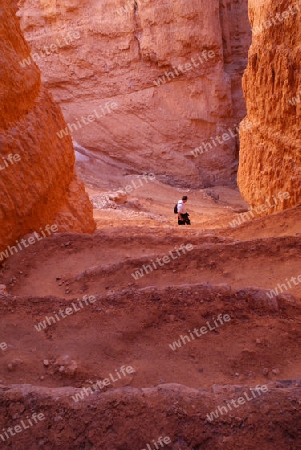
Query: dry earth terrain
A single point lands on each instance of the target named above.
(143, 331)
(136, 322)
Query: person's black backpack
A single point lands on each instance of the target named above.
(175, 210)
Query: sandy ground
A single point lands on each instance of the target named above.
(134, 321)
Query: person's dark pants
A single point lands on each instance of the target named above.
(185, 219)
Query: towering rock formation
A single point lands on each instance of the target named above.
(172, 70)
(270, 155)
(38, 184)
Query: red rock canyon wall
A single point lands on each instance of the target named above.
(38, 183)
(138, 83)
(270, 155)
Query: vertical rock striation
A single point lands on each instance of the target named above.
(270, 155)
(151, 59)
(38, 183)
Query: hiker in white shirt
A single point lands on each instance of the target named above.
(182, 212)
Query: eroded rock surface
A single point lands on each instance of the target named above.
(129, 418)
(130, 54)
(38, 183)
(270, 155)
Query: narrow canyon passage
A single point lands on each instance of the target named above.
(120, 329)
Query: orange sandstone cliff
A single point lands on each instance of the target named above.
(38, 184)
(270, 154)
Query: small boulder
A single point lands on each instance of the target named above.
(3, 290)
(119, 197)
(71, 368)
(66, 365)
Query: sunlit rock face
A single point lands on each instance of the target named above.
(38, 183)
(270, 155)
(147, 83)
